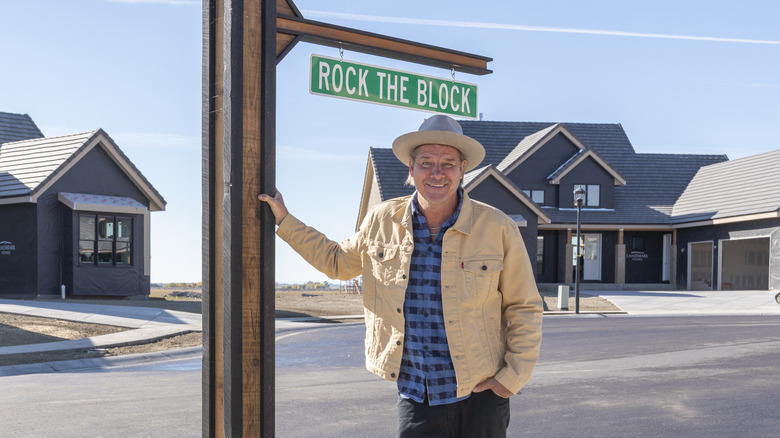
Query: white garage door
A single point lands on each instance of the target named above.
(745, 264)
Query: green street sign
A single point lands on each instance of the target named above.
(367, 83)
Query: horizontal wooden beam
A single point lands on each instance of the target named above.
(374, 44)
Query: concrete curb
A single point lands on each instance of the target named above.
(100, 362)
(120, 339)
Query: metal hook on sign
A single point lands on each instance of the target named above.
(453, 74)
(341, 53)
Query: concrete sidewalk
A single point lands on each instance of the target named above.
(672, 302)
(148, 323)
(145, 323)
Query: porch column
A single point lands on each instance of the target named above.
(673, 260)
(569, 275)
(620, 259)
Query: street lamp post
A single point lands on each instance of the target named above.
(579, 198)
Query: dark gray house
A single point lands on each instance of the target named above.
(74, 212)
(668, 220)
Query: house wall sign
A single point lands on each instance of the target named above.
(379, 85)
(6, 248)
(637, 256)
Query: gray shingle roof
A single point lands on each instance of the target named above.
(733, 188)
(28, 164)
(524, 146)
(390, 174)
(474, 174)
(653, 184)
(15, 127)
(653, 181)
(500, 138)
(25, 164)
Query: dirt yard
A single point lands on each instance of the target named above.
(21, 330)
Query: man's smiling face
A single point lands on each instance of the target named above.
(437, 171)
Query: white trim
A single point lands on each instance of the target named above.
(615, 227)
(75, 158)
(519, 220)
(666, 258)
(583, 208)
(559, 128)
(502, 179)
(155, 203)
(598, 257)
(101, 208)
(18, 200)
(728, 220)
(101, 139)
(720, 266)
(147, 243)
(619, 181)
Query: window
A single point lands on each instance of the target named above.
(87, 239)
(535, 195)
(637, 243)
(574, 249)
(592, 194)
(105, 240)
(539, 255)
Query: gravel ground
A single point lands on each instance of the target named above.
(20, 330)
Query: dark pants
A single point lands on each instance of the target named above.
(483, 415)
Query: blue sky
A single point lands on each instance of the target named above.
(684, 76)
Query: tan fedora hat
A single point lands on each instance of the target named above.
(440, 129)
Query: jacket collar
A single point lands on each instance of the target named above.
(465, 219)
(403, 215)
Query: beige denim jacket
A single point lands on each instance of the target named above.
(492, 309)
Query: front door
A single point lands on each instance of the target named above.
(700, 266)
(592, 257)
(666, 270)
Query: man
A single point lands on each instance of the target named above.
(451, 307)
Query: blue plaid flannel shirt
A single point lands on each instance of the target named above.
(426, 365)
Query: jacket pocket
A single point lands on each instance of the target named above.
(384, 262)
(481, 274)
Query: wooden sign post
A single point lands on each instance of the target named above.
(243, 41)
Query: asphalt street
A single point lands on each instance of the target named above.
(713, 376)
(598, 376)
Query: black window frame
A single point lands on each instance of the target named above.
(530, 193)
(588, 191)
(539, 255)
(105, 237)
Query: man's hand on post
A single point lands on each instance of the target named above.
(277, 205)
(493, 385)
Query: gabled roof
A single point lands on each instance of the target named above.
(15, 127)
(501, 138)
(528, 146)
(653, 182)
(390, 174)
(743, 187)
(579, 157)
(26, 164)
(476, 176)
(29, 167)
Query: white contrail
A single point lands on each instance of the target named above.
(448, 23)
(161, 2)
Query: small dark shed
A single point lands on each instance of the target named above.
(74, 213)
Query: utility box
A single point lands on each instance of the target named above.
(563, 297)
